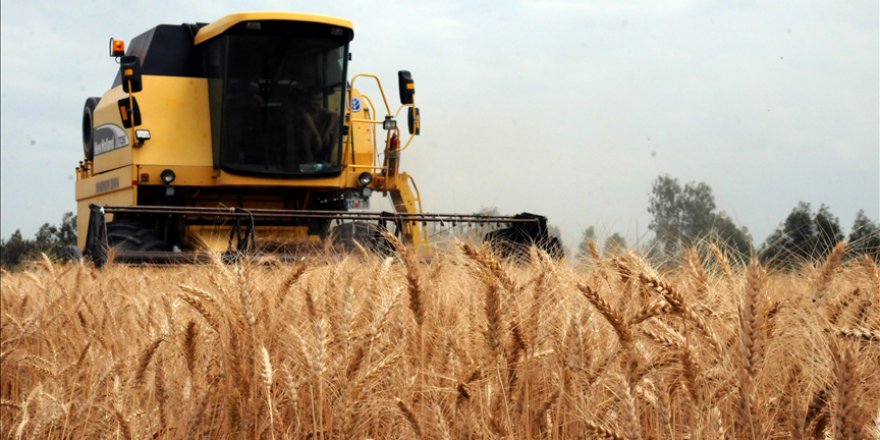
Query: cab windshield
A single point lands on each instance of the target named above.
(277, 106)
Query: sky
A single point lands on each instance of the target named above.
(563, 108)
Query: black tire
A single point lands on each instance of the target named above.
(554, 248)
(367, 235)
(515, 242)
(128, 235)
(88, 127)
(70, 253)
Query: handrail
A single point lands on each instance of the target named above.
(374, 158)
(421, 210)
(378, 82)
(411, 135)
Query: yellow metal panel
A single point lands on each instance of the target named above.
(184, 175)
(216, 237)
(111, 188)
(209, 176)
(112, 160)
(218, 27)
(176, 111)
(361, 133)
(326, 182)
(407, 200)
(104, 183)
(124, 197)
(107, 112)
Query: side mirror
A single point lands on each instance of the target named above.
(406, 86)
(414, 120)
(130, 67)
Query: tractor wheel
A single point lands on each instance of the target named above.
(70, 254)
(513, 243)
(367, 235)
(130, 235)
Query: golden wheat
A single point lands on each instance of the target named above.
(466, 345)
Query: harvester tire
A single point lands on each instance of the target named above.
(367, 235)
(129, 235)
(88, 127)
(514, 241)
(70, 254)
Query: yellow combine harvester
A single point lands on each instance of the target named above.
(245, 135)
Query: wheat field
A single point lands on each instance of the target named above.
(462, 346)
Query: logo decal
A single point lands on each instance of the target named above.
(107, 185)
(109, 137)
(355, 104)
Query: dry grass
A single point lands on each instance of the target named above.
(463, 346)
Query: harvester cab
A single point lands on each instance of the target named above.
(245, 136)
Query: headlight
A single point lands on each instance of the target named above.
(167, 176)
(142, 135)
(365, 178)
(389, 124)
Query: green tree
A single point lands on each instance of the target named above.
(828, 231)
(66, 234)
(49, 239)
(792, 240)
(697, 206)
(615, 244)
(15, 250)
(587, 236)
(864, 238)
(46, 238)
(665, 205)
(683, 215)
(737, 239)
(802, 236)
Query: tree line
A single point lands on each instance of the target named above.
(685, 215)
(49, 239)
(682, 217)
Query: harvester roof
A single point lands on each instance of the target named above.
(222, 25)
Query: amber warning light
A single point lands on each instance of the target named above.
(117, 47)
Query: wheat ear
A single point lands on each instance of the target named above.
(612, 316)
(603, 432)
(846, 412)
(828, 270)
(146, 357)
(410, 417)
(413, 279)
(489, 265)
(266, 374)
(721, 259)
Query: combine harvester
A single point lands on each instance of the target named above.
(244, 136)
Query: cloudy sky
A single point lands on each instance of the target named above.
(565, 108)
